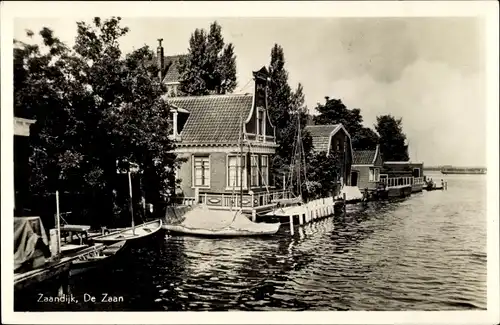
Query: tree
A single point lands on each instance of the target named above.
(365, 139)
(323, 171)
(93, 108)
(392, 138)
(279, 106)
(335, 112)
(286, 109)
(210, 66)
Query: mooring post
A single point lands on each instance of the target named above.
(301, 218)
(254, 215)
(344, 200)
(197, 195)
(291, 225)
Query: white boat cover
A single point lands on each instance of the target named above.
(204, 219)
(30, 240)
(351, 193)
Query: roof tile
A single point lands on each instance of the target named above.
(321, 135)
(213, 119)
(363, 157)
(171, 72)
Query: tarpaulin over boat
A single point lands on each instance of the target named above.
(202, 220)
(30, 241)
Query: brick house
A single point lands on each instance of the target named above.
(228, 142)
(335, 139)
(169, 70)
(366, 168)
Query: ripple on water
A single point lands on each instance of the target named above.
(423, 253)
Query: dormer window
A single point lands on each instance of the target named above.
(173, 120)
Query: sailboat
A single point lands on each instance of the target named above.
(202, 221)
(295, 205)
(134, 232)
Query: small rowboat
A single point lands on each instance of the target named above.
(101, 256)
(130, 234)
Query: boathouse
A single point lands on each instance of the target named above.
(402, 169)
(398, 173)
(366, 168)
(334, 139)
(228, 142)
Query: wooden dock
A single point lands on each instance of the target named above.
(308, 212)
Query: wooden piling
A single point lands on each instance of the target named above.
(291, 225)
(344, 200)
(254, 215)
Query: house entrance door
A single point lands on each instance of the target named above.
(354, 178)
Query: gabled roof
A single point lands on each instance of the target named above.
(321, 135)
(213, 119)
(365, 157)
(171, 72)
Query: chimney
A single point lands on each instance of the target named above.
(160, 59)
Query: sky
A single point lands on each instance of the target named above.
(428, 71)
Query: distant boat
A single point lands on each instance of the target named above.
(131, 233)
(463, 170)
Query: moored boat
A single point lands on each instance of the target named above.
(101, 256)
(131, 233)
(202, 221)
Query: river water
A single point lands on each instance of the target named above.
(427, 252)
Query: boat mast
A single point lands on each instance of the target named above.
(58, 226)
(241, 163)
(299, 137)
(130, 197)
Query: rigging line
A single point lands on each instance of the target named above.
(242, 88)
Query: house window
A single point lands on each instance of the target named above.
(254, 171)
(201, 171)
(374, 175)
(264, 161)
(235, 165)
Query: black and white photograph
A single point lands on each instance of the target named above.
(250, 157)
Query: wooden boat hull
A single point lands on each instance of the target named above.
(102, 257)
(50, 270)
(436, 188)
(145, 230)
(226, 232)
(416, 188)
